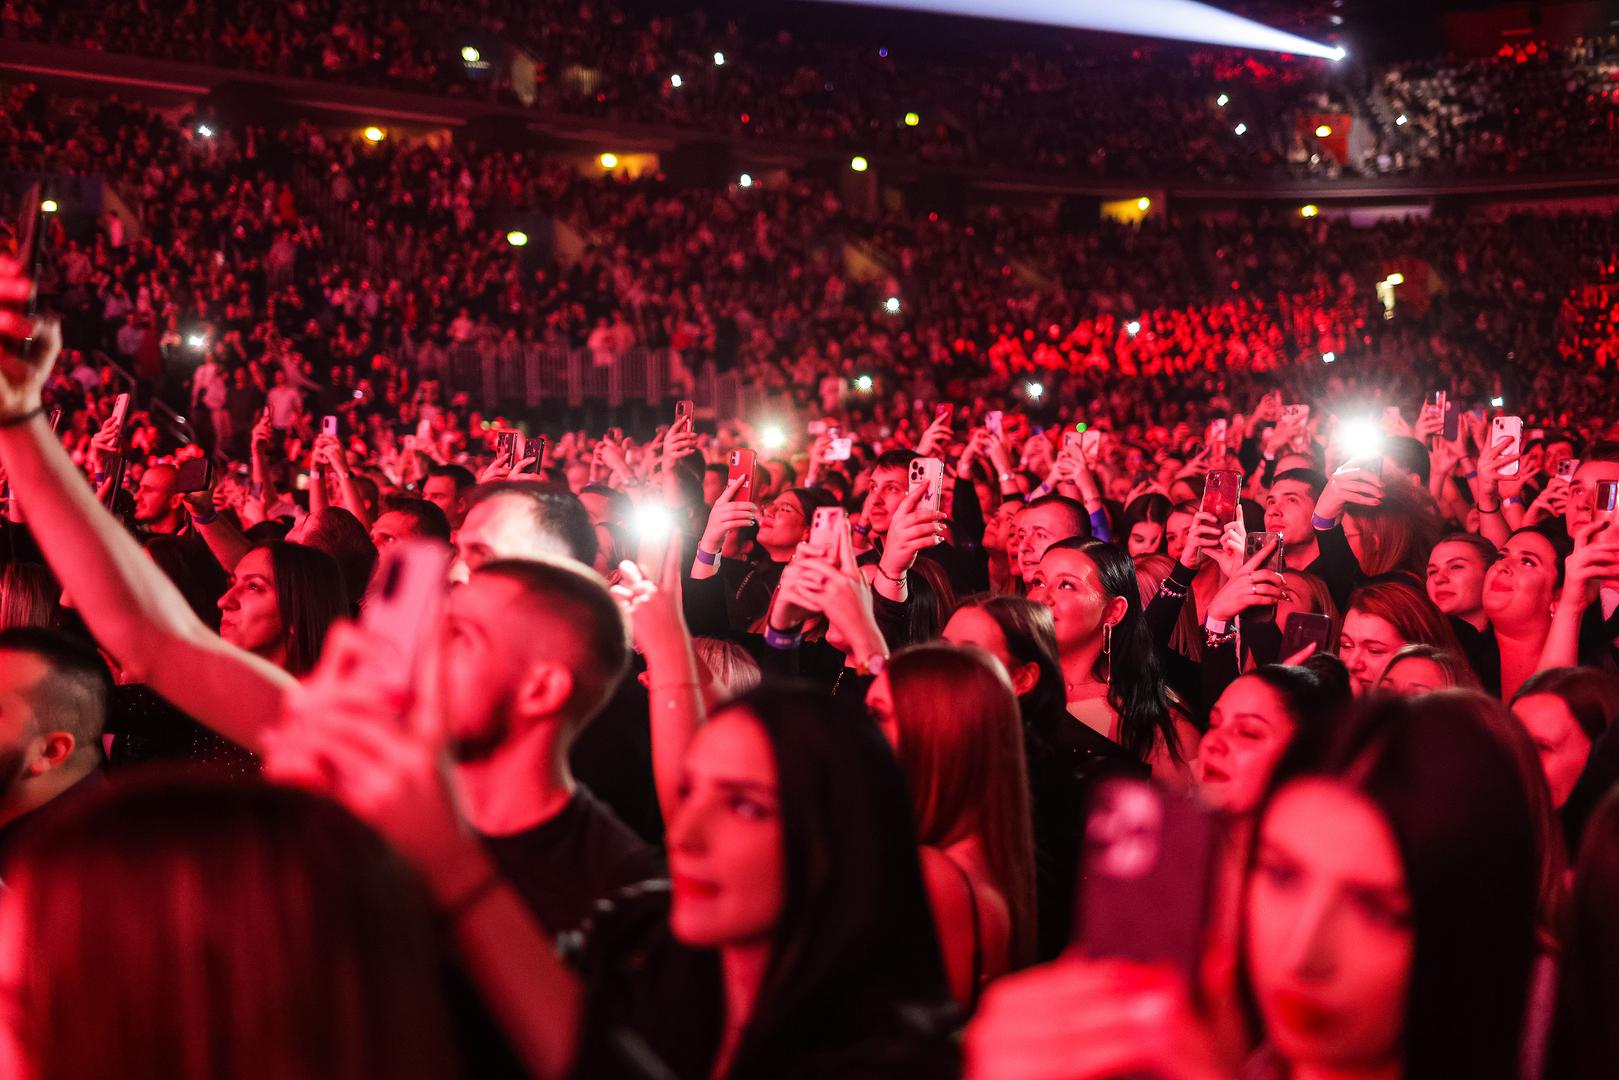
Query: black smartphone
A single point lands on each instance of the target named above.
(1146, 872)
(194, 474)
(1304, 628)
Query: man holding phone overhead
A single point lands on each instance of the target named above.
(523, 658)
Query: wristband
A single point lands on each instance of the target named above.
(200, 518)
(901, 580)
(862, 530)
(1006, 478)
(783, 639)
(1470, 476)
(1215, 626)
(1512, 500)
(1481, 508)
(1322, 524)
(22, 417)
(99, 478)
(707, 558)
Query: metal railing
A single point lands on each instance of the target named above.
(506, 375)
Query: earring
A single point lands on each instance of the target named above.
(1107, 652)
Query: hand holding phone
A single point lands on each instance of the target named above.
(401, 609)
(1146, 873)
(1508, 430)
(1222, 492)
(1303, 630)
(741, 463)
(928, 473)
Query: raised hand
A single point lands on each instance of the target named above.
(936, 438)
(1249, 587)
(915, 528)
(727, 516)
(1351, 485)
(1202, 539)
(29, 346)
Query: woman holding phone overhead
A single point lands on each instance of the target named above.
(1388, 927)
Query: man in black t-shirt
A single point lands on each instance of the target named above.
(530, 652)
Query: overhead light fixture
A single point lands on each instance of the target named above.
(859, 164)
(1241, 129)
(48, 206)
(912, 119)
(1309, 210)
(517, 238)
(470, 55)
(374, 134)
(676, 81)
(744, 181)
(719, 59)
(1322, 131)
(1223, 100)
(608, 161)
(1143, 204)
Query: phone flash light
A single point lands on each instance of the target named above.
(1132, 328)
(1328, 357)
(1498, 403)
(1036, 390)
(1362, 438)
(863, 384)
(891, 305)
(773, 437)
(653, 520)
(196, 341)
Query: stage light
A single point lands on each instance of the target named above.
(863, 384)
(912, 119)
(719, 59)
(1361, 438)
(1223, 100)
(205, 131)
(859, 164)
(744, 180)
(48, 206)
(1132, 328)
(608, 161)
(374, 134)
(772, 437)
(1178, 20)
(1241, 129)
(1401, 120)
(517, 238)
(1339, 53)
(1143, 204)
(892, 305)
(1395, 278)
(1309, 210)
(1323, 130)
(1035, 390)
(1498, 402)
(1329, 358)
(470, 55)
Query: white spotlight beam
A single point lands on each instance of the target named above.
(1177, 20)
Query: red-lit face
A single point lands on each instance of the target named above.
(1249, 728)
(1366, 645)
(1456, 579)
(726, 851)
(888, 489)
(1287, 511)
(1329, 932)
(250, 613)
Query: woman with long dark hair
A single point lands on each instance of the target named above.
(1112, 675)
(1063, 759)
(181, 929)
(1387, 928)
(1585, 1039)
(951, 715)
(797, 940)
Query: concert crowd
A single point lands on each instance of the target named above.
(1098, 649)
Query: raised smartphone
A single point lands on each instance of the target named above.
(741, 463)
(1509, 428)
(1146, 876)
(1222, 492)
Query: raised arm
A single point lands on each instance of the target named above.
(127, 602)
(678, 708)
